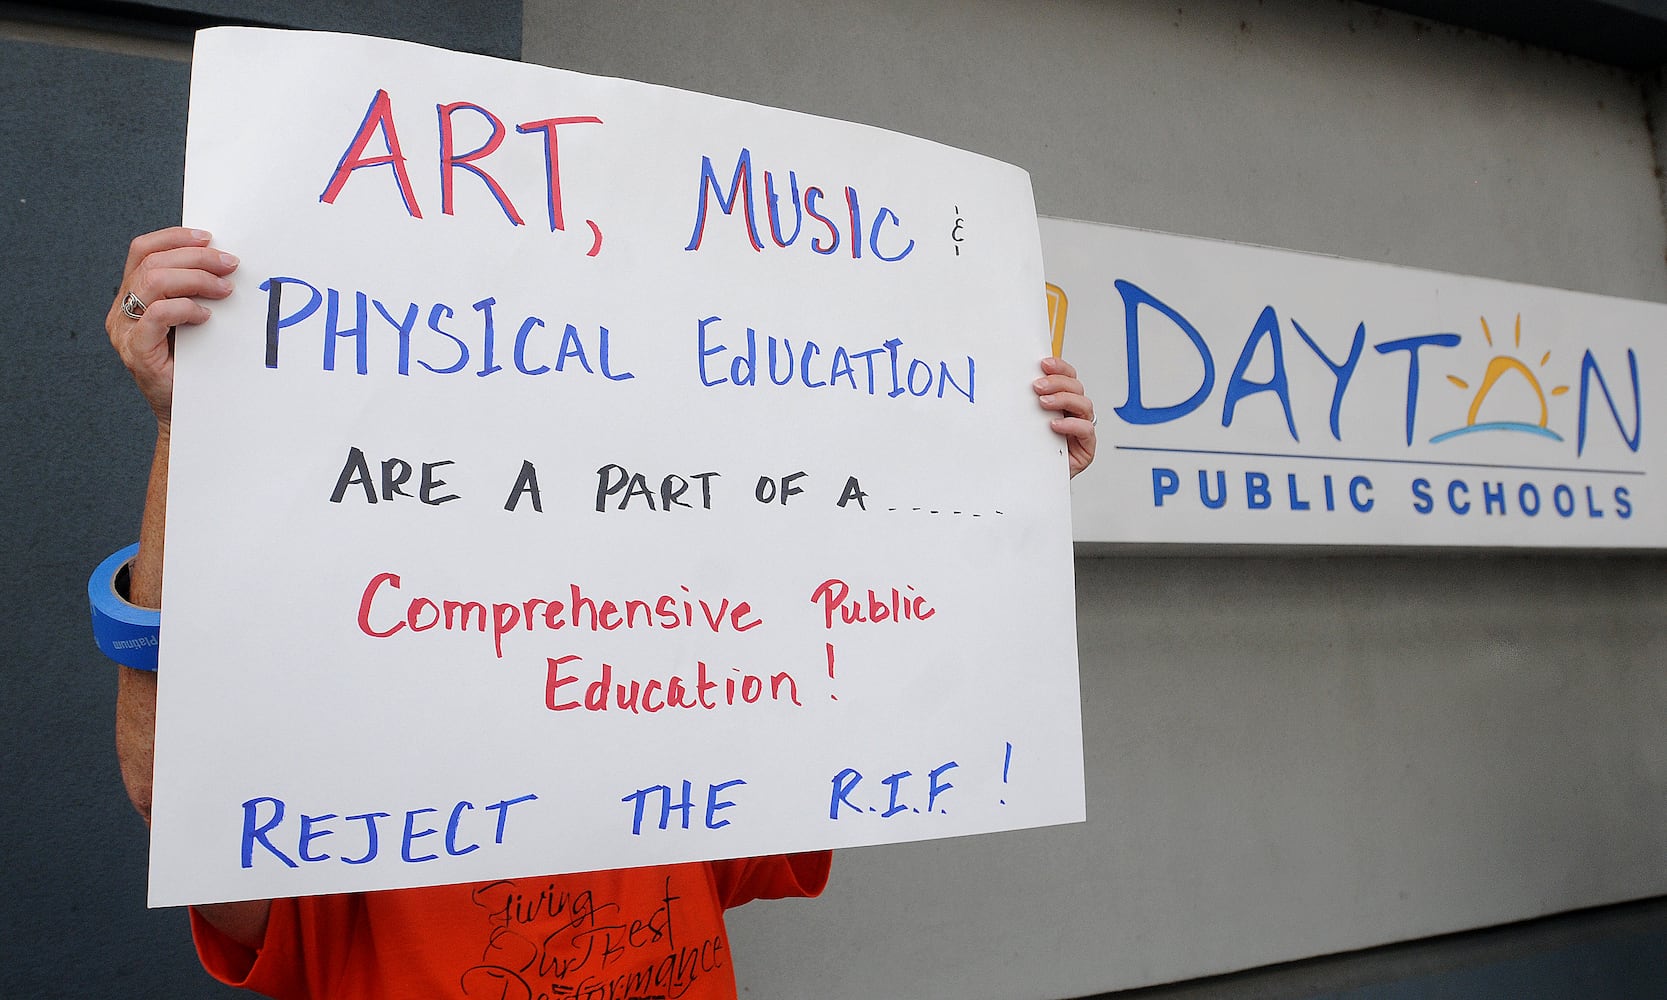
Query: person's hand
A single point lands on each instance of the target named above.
(165, 271)
(1059, 390)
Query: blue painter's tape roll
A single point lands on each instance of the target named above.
(124, 632)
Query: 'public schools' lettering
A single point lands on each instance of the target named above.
(1323, 492)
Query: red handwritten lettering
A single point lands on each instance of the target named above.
(581, 610)
(894, 606)
(655, 695)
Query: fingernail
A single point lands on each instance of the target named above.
(1040, 384)
(200, 234)
(224, 285)
(228, 260)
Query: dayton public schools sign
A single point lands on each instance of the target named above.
(1251, 395)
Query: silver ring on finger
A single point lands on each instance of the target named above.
(133, 307)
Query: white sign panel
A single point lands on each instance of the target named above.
(588, 474)
(1249, 395)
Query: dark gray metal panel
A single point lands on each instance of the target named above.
(1613, 952)
(95, 145)
(489, 27)
(1650, 8)
(1629, 33)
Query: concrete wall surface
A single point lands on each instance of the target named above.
(1290, 755)
(75, 439)
(92, 114)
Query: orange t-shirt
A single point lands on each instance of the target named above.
(614, 935)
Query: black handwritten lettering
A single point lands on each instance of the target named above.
(545, 941)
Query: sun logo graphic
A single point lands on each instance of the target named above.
(1057, 304)
(1504, 369)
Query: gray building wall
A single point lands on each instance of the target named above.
(1288, 755)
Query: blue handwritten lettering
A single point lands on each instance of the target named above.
(264, 827)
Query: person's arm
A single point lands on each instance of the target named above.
(136, 689)
(1060, 391)
(165, 270)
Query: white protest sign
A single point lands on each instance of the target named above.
(1257, 396)
(588, 474)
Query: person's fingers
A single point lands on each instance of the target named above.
(159, 282)
(1059, 383)
(1071, 404)
(166, 272)
(162, 239)
(211, 259)
(1080, 440)
(144, 344)
(1060, 391)
(177, 272)
(1058, 366)
(1073, 427)
(154, 285)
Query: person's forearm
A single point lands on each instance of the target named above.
(136, 689)
(145, 585)
(243, 922)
